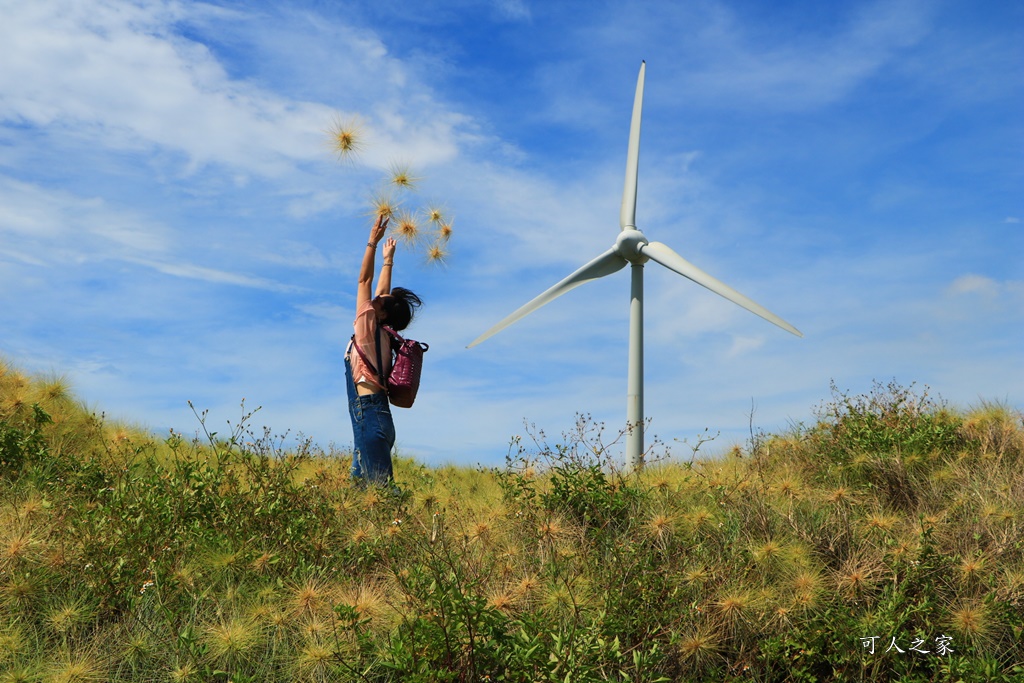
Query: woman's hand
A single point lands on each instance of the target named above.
(378, 229)
(389, 250)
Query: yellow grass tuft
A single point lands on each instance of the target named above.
(839, 495)
(556, 598)
(767, 552)
(700, 519)
(12, 643)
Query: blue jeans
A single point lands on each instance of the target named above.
(373, 432)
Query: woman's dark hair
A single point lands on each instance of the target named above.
(400, 308)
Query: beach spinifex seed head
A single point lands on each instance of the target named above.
(700, 646)
(367, 600)
(766, 551)
(345, 138)
(734, 604)
(12, 643)
(229, 641)
(309, 596)
(184, 674)
(696, 575)
(660, 527)
(314, 659)
(434, 214)
(263, 562)
(437, 254)
(383, 204)
(527, 586)
(502, 600)
(970, 619)
(557, 598)
(972, 567)
(400, 175)
(65, 617)
(406, 227)
(76, 668)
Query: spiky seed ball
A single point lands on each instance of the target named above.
(346, 138)
(436, 254)
(434, 214)
(406, 227)
(383, 204)
(444, 231)
(401, 176)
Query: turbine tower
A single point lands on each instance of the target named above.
(633, 248)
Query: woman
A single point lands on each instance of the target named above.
(372, 427)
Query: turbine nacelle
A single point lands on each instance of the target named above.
(629, 245)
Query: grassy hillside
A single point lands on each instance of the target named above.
(882, 542)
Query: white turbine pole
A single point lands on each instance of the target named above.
(631, 246)
(635, 377)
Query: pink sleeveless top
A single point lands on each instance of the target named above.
(365, 327)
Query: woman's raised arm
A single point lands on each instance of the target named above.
(384, 281)
(366, 271)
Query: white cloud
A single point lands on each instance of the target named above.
(974, 284)
(513, 9)
(744, 344)
(807, 71)
(212, 275)
(58, 223)
(117, 75)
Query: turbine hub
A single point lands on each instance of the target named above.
(629, 246)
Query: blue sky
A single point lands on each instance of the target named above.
(174, 227)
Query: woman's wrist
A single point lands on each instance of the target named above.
(371, 245)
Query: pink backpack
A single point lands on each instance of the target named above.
(404, 379)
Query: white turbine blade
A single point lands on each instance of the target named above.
(605, 264)
(664, 255)
(627, 215)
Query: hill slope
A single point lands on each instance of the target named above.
(881, 543)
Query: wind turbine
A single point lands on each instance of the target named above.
(632, 247)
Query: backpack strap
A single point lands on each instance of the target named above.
(366, 361)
